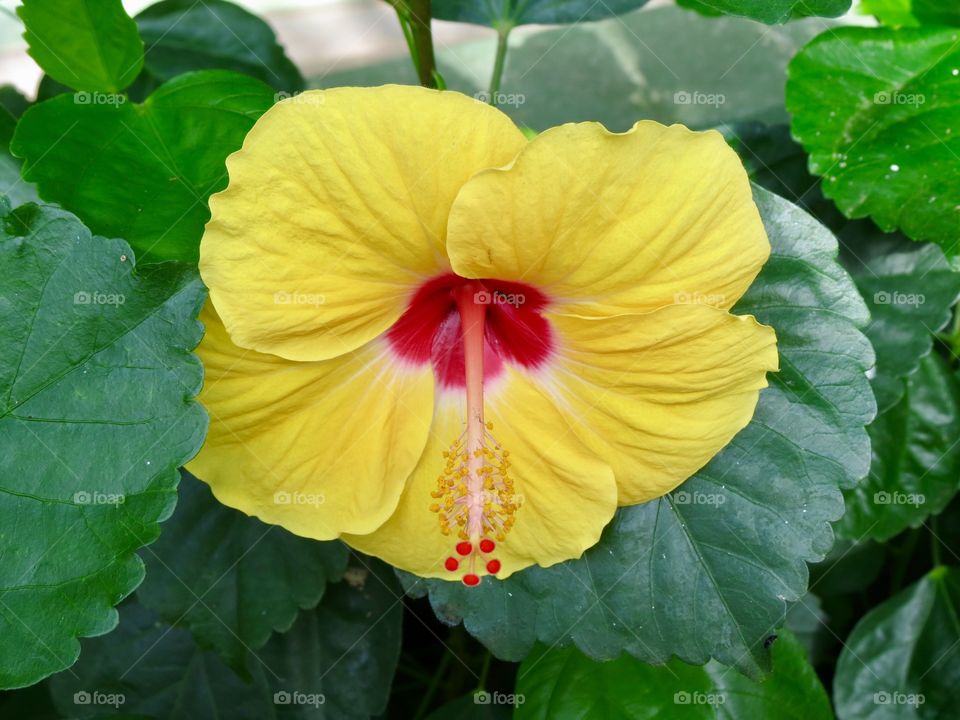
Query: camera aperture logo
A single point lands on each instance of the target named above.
(482, 697)
(485, 297)
(283, 497)
(85, 697)
(296, 697)
(95, 297)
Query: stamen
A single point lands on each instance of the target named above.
(475, 490)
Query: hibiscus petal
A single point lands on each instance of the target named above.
(658, 395)
(337, 209)
(568, 493)
(320, 448)
(610, 223)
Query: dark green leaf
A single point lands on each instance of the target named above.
(16, 189)
(848, 568)
(504, 14)
(563, 683)
(893, 13)
(185, 35)
(12, 105)
(86, 45)
(710, 570)
(916, 467)
(769, 11)
(936, 12)
(901, 660)
(478, 705)
(337, 661)
(142, 172)
(97, 381)
(231, 579)
(879, 112)
(727, 69)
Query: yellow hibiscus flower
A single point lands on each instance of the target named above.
(458, 350)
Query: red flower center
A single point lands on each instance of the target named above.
(430, 330)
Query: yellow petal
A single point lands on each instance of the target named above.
(320, 448)
(337, 208)
(658, 395)
(568, 493)
(610, 223)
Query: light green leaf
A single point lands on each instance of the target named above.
(184, 35)
(504, 14)
(337, 661)
(97, 383)
(231, 579)
(916, 467)
(879, 112)
(769, 11)
(142, 172)
(709, 570)
(901, 660)
(563, 683)
(86, 45)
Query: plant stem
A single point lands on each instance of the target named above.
(434, 685)
(484, 671)
(503, 34)
(416, 14)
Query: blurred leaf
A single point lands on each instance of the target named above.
(12, 105)
(337, 661)
(876, 109)
(142, 172)
(475, 706)
(231, 579)
(769, 11)
(563, 683)
(849, 568)
(504, 14)
(623, 69)
(95, 358)
(807, 621)
(90, 46)
(184, 35)
(916, 467)
(901, 660)
(936, 12)
(17, 191)
(710, 569)
(893, 13)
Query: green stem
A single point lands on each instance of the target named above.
(418, 14)
(484, 671)
(503, 34)
(434, 685)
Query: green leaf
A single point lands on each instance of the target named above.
(769, 11)
(90, 46)
(936, 12)
(12, 105)
(915, 469)
(908, 287)
(184, 35)
(505, 14)
(17, 191)
(97, 381)
(893, 13)
(710, 569)
(725, 70)
(879, 112)
(475, 706)
(901, 660)
(142, 172)
(337, 661)
(563, 683)
(231, 579)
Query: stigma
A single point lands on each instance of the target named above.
(475, 497)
